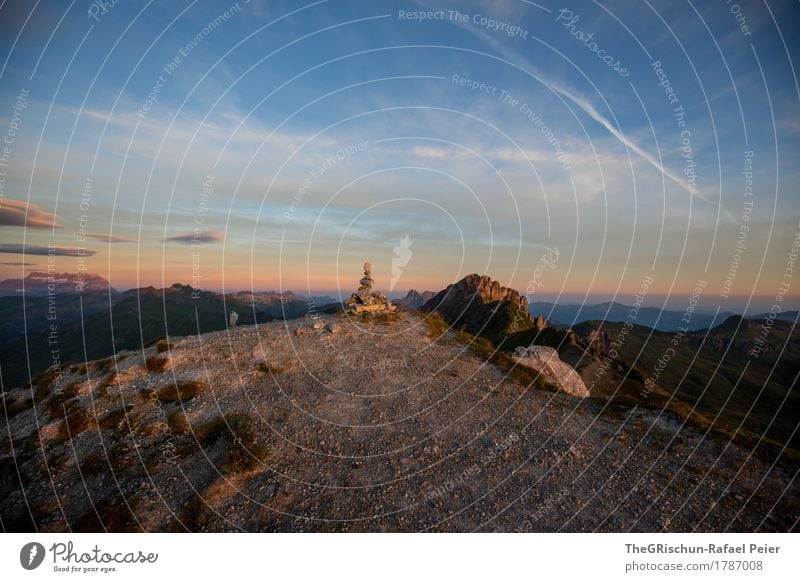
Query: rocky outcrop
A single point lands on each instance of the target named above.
(545, 360)
(414, 299)
(367, 300)
(598, 341)
(482, 306)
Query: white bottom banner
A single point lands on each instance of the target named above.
(400, 557)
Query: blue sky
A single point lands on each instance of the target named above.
(255, 100)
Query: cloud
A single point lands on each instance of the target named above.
(436, 153)
(112, 238)
(199, 237)
(19, 213)
(515, 155)
(18, 264)
(15, 249)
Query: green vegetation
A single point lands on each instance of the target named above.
(731, 387)
(485, 350)
(437, 326)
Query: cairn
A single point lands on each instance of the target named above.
(365, 299)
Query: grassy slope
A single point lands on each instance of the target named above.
(706, 376)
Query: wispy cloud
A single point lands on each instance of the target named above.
(112, 238)
(432, 152)
(19, 213)
(196, 238)
(16, 249)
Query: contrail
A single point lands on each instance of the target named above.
(587, 108)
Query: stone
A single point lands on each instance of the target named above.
(367, 300)
(545, 360)
(233, 317)
(318, 325)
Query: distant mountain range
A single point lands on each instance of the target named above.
(39, 283)
(71, 319)
(414, 299)
(565, 316)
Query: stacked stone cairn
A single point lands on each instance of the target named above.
(367, 300)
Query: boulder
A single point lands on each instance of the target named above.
(545, 360)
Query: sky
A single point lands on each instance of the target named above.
(577, 152)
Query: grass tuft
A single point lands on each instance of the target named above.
(156, 363)
(271, 369)
(164, 346)
(115, 418)
(180, 391)
(74, 424)
(437, 326)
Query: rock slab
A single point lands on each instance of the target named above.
(545, 360)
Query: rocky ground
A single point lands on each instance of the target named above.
(376, 427)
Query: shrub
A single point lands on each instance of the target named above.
(164, 346)
(60, 401)
(177, 422)
(103, 365)
(156, 363)
(75, 423)
(44, 383)
(271, 369)
(180, 391)
(114, 418)
(14, 403)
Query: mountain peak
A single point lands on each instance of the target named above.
(43, 283)
(482, 306)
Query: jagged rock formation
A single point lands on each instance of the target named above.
(482, 306)
(545, 360)
(367, 300)
(414, 299)
(598, 340)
